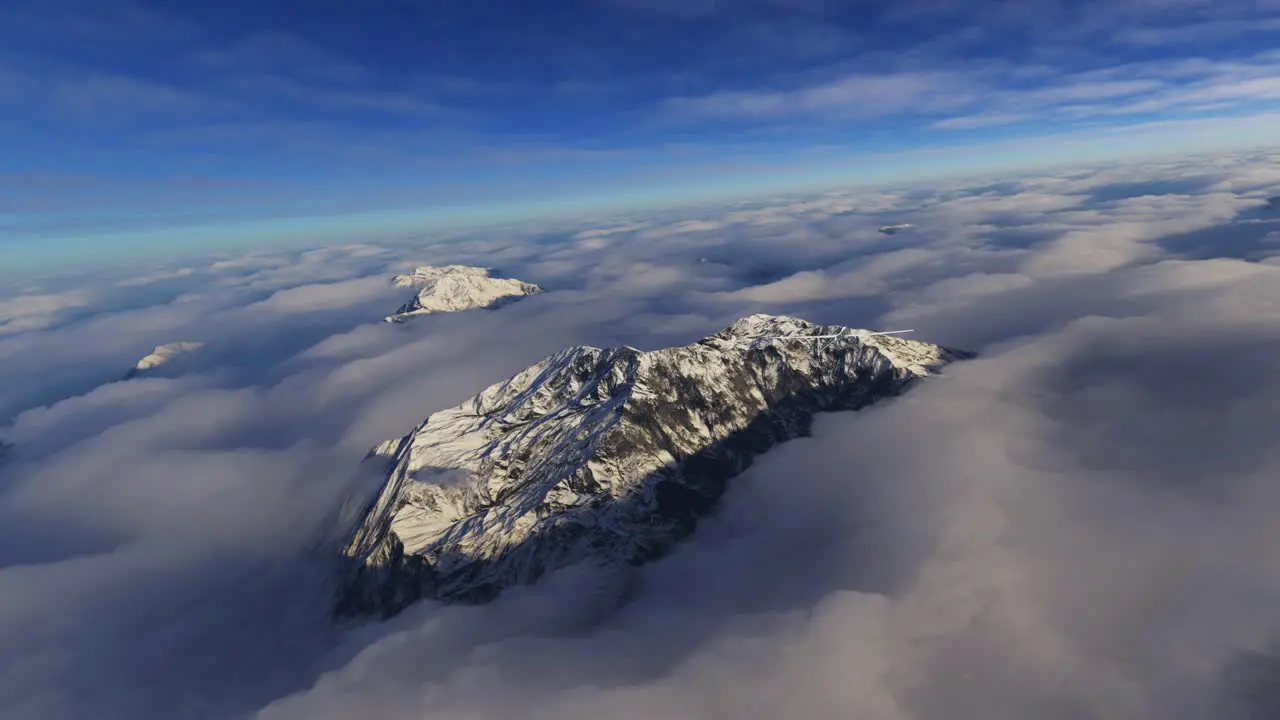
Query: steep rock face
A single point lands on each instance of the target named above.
(596, 454)
(163, 355)
(457, 287)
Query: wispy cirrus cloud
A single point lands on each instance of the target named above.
(855, 96)
(1207, 31)
(987, 94)
(444, 97)
(261, 74)
(103, 25)
(64, 92)
(283, 91)
(969, 122)
(279, 52)
(95, 97)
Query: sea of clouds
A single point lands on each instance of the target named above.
(1081, 523)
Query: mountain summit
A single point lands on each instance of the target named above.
(451, 288)
(163, 355)
(609, 455)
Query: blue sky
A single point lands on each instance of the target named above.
(123, 122)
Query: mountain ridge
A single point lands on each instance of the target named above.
(610, 455)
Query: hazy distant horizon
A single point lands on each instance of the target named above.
(133, 128)
(1130, 145)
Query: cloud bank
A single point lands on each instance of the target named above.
(1078, 524)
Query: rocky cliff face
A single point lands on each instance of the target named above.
(609, 455)
(457, 287)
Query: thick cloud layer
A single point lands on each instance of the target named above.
(1078, 524)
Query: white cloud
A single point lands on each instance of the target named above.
(156, 277)
(33, 312)
(861, 96)
(1002, 542)
(614, 230)
(327, 296)
(968, 122)
(686, 226)
(1123, 236)
(1080, 523)
(866, 279)
(1208, 30)
(960, 96)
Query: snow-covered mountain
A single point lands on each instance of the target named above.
(457, 287)
(609, 455)
(163, 355)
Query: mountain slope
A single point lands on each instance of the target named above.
(457, 287)
(608, 454)
(163, 355)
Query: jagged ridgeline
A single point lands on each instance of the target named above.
(608, 455)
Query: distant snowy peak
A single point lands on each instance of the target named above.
(163, 355)
(605, 455)
(425, 275)
(452, 288)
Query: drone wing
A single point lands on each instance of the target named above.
(831, 339)
(834, 336)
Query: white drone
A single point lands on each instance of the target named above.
(844, 333)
